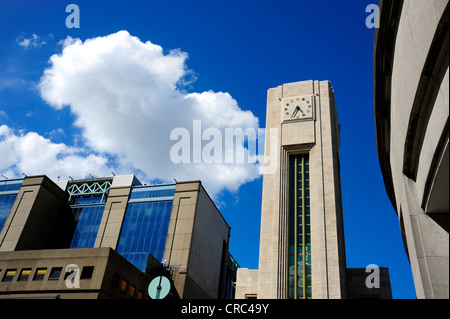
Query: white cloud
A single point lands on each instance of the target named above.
(34, 41)
(33, 154)
(123, 93)
(56, 133)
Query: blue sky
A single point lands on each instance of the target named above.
(218, 59)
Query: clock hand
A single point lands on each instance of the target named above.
(296, 111)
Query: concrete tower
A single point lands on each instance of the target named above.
(302, 250)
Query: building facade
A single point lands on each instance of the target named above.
(46, 274)
(411, 100)
(144, 224)
(302, 253)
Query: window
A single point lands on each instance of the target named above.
(115, 280)
(55, 273)
(144, 231)
(131, 291)
(87, 219)
(123, 285)
(152, 193)
(69, 271)
(87, 272)
(10, 186)
(9, 275)
(139, 295)
(40, 274)
(6, 203)
(24, 274)
(8, 193)
(299, 237)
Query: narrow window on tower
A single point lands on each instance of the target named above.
(299, 236)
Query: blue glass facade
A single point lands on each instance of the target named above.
(8, 193)
(87, 219)
(152, 193)
(10, 186)
(145, 224)
(87, 203)
(144, 227)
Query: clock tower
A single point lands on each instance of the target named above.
(302, 250)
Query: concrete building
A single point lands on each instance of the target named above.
(411, 100)
(144, 224)
(302, 248)
(41, 274)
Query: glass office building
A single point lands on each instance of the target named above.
(82, 217)
(8, 193)
(145, 224)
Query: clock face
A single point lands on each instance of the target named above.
(298, 108)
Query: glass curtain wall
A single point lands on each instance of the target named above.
(146, 223)
(87, 203)
(299, 228)
(8, 193)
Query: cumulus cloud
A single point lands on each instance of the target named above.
(33, 154)
(126, 98)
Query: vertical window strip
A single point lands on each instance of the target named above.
(144, 231)
(299, 281)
